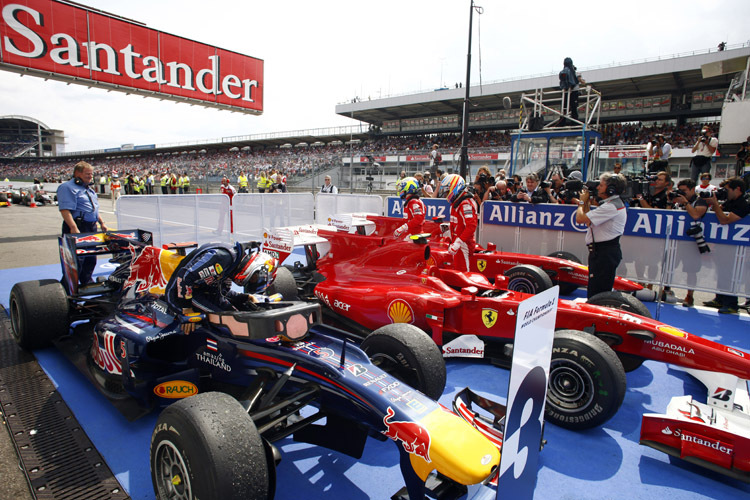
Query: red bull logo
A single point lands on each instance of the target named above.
(146, 271)
(91, 238)
(414, 438)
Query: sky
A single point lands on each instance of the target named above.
(319, 54)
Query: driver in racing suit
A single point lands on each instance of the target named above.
(414, 209)
(202, 283)
(463, 220)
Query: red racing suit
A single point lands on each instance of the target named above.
(414, 212)
(463, 229)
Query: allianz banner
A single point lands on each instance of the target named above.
(436, 207)
(644, 222)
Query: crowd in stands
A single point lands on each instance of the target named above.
(302, 161)
(11, 146)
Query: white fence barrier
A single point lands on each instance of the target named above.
(205, 218)
(329, 204)
(253, 212)
(188, 217)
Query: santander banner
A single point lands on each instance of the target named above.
(71, 43)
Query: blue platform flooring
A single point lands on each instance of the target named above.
(599, 464)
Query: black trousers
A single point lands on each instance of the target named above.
(86, 264)
(603, 261)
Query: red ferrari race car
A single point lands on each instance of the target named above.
(563, 268)
(367, 281)
(714, 435)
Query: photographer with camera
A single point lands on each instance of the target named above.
(704, 148)
(659, 195)
(498, 192)
(735, 208)
(482, 183)
(687, 199)
(659, 151)
(535, 191)
(605, 226)
(571, 190)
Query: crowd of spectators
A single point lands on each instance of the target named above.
(301, 161)
(11, 146)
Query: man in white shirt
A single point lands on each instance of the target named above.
(605, 226)
(704, 149)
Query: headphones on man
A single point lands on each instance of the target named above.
(615, 185)
(78, 181)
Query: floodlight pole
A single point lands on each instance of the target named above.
(464, 158)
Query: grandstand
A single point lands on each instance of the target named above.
(25, 137)
(668, 95)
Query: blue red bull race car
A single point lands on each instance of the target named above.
(243, 380)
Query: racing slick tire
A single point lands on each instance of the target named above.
(561, 254)
(410, 355)
(565, 287)
(284, 284)
(622, 301)
(38, 313)
(207, 446)
(528, 279)
(586, 381)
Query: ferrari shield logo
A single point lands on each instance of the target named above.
(481, 265)
(489, 316)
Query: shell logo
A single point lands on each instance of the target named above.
(400, 312)
(672, 331)
(176, 389)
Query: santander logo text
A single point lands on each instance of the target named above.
(80, 44)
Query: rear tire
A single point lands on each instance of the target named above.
(207, 446)
(284, 284)
(565, 287)
(410, 355)
(528, 279)
(586, 381)
(566, 255)
(621, 301)
(38, 313)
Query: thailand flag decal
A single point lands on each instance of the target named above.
(212, 345)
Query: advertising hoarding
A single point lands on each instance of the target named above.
(57, 40)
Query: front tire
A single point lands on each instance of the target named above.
(586, 381)
(410, 355)
(528, 279)
(38, 313)
(207, 447)
(621, 301)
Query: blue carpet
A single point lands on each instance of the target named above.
(599, 464)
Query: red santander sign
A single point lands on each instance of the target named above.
(71, 43)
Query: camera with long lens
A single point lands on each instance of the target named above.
(671, 196)
(696, 232)
(721, 194)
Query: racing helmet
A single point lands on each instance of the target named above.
(407, 186)
(256, 272)
(452, 185)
